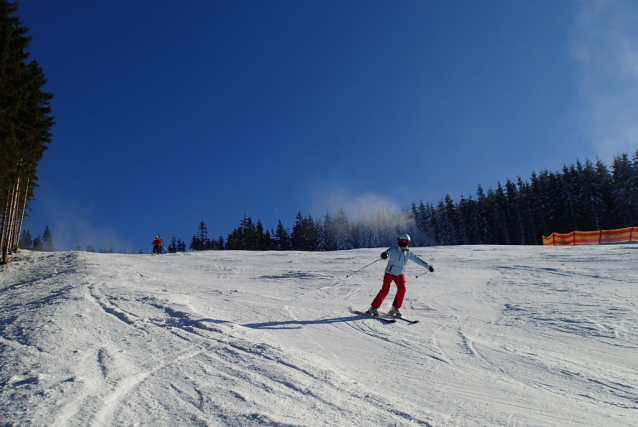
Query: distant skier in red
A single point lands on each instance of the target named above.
(157, 245)
(398, 255)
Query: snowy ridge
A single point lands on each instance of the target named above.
(509, 336)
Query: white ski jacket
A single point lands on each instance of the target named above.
(398, 258)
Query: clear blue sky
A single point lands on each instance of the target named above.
(168, 114)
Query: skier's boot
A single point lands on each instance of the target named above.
(372, 311)
(395, 312)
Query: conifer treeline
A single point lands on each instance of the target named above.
(42, 243)
(307, 234)
(25, 121)
(580, 197)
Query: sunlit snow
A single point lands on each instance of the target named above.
(508, 336)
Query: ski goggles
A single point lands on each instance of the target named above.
(403, 242)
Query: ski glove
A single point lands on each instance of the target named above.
(431, 269)
(384, 256)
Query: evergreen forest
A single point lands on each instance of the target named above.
(583, 196)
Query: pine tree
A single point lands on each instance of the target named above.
(540, 202)
(172, 247)
(264, 239)
(321, 236)
(199, 241)
(329, 233)
(570, 194)
(243, 237)
(465, 214)
(499, 215)
(426, 219)
(592, 199)
(625, 191)
(251, 236)
(343, 237)
(532, 237)
(282, 238)
(483, 229)
(202, 235)
(26, 242)
(304, 235)
(312, 233)
(297, 234)
(196, 244)
(555, 205)
(447, 224)
(606, 189)
(515, 213)
(25, 121)
(37, 243)
(47, 240)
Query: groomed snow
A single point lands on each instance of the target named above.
(509, 336)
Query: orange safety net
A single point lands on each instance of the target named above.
(600, 237)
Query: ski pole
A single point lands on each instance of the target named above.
(348, 275)
(431, 271)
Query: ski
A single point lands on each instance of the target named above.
(383, 319)
(401, 318)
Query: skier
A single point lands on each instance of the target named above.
(398, 255)
(157, 245)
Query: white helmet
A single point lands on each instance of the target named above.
(404, 240)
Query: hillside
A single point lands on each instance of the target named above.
(509, 336)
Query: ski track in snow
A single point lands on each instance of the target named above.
(509, 336)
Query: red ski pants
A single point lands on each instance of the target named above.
(385, 289)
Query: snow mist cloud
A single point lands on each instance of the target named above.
(604, 44)
(331, 200)
(373, 211)
(70, 228)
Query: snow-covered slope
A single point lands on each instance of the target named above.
(509, 336)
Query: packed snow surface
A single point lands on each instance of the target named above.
(508, 336)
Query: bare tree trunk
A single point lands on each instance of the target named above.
(21, 213)
(6, 224)
(9, 220)
(14, 216)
